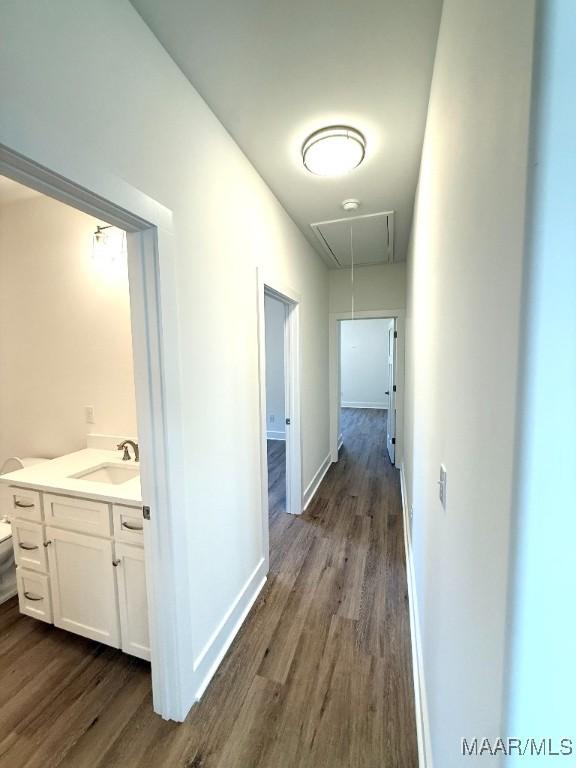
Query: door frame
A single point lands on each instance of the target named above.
(292, 390)
(334, 374)
(153, 309)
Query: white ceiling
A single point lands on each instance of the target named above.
(12, 192)
(273, 71)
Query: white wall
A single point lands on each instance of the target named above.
(65, 337)
(274, 318)
(364, 363)
(463, 327)
(542, 676)
(382, 286)
(88, 91)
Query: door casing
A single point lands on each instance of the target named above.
(291, 299)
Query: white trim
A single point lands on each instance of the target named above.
(362, 404)
(275, 435)
(314, 484)
(420, 699)
(334, 372)
(292, 365)
(210, 657)
(153, 301)
(340, 442)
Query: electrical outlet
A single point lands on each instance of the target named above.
(442, 486)
(89, 414)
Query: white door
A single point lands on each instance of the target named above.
(133, 602)
(83, 585)
(391, 421)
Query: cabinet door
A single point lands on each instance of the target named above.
(133, 602)
(83, 584)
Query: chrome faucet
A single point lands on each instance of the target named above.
(123, 446)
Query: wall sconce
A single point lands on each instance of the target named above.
(109, 245)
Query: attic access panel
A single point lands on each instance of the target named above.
(372, 239)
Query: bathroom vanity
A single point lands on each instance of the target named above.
(78, 540)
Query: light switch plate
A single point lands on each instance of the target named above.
(442, 486)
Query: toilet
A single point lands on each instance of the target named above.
(7, 566)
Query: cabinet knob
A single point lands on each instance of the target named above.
(47, 542)
(116, 563)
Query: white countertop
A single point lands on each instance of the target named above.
(55, 476)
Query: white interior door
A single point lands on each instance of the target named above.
(391, 421)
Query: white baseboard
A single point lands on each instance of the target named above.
(420, 699)
(273, 434)
(209, 658)
(340, 441)
(314, 484)
(353, 404)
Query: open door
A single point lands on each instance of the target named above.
(391, 421)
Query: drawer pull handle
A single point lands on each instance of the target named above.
(23, 505)
(116, 563)
(28, 547)
(31, 596)
(132, 527)
(46, 543)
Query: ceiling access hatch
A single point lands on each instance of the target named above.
(370, 237)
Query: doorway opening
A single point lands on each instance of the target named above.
(280, 400)
(367, 384)
(275, 312)
(69, 453)
(366, 375)
(147, 563)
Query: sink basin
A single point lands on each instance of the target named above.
(109, 473)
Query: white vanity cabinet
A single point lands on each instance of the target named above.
(80, 565)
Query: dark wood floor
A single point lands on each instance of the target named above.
(318, 677)
(276, 478)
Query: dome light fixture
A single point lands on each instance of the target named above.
(333, 151)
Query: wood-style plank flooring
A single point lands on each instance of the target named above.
(318, 677)
(276, 478)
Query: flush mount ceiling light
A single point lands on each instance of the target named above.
(351, 204)
(333, 151)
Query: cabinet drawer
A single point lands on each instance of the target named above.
(128, 524)
(78, 514)
(34, 594)
(29, 549)
(25, 504)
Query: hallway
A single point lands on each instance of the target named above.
(318, 676)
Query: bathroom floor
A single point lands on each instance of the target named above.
(319, 676)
